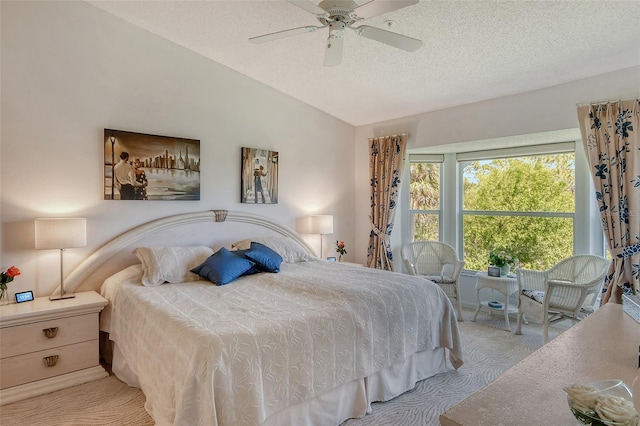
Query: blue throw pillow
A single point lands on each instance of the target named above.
(254, 269)
(223, 267)
(265, 258)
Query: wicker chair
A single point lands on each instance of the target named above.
(559, 292)
(437, 262)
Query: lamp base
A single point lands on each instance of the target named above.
(64, 296)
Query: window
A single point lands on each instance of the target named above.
(424, 188)
(535, 201)
(524, 205)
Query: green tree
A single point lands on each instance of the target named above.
(424, 188)
(508, 186)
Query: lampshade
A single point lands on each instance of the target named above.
(320, 224)
(61, 233)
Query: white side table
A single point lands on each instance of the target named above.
(47, 345)
(503, 285)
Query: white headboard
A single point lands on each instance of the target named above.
(116, 254)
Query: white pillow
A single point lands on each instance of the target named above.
(290, 250)
(170, 264)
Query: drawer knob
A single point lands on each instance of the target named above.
(50, 333)
(50, 360)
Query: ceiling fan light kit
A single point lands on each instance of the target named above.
(339, 15)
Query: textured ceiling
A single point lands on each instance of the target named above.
(472, 50)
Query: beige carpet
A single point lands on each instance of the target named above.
(106, 401)
(488, 351)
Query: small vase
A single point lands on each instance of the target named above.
(340, 258)
(612, 388)
(504, 270)
(4, 297)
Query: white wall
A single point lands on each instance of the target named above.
(69, 70)
(545, 110)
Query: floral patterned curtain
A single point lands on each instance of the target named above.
(386, 157)
(610, 133)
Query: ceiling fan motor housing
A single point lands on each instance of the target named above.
(338, 11)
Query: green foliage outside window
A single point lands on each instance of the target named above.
(425, 195)
(537, 242)
(425, 226)
(509, 204)
(509, 186)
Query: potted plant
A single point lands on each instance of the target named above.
(503, 260)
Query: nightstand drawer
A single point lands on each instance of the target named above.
(31, 367)
(23, 339)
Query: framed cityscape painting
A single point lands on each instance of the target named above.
(259, 176)
(138, 166)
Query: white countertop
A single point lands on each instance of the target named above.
(603, 346)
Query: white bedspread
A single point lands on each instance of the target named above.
(235, 354)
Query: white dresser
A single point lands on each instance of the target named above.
(49, 345)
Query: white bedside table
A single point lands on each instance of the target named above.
(503, 285)
(49, 345)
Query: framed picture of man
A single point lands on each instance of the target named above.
(259, 176)
(139, 166)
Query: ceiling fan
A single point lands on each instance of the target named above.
(339, 15)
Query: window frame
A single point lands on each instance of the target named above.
(426, 158)
(519, 154)
(588, 236)
(464, 159)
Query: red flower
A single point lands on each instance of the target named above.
(7, 276)
(340, 247)
(13, 272)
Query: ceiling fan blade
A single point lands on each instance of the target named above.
(281, 34)
(309, 7)
(333, 54)
(387, 37)
(378, 7)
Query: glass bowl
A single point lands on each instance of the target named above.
(606, 387)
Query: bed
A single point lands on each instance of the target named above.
(315, 343)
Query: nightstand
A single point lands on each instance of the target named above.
(49, 345)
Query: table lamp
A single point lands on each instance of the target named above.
(320, 224)
(60, 233)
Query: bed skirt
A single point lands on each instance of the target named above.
(351, 400)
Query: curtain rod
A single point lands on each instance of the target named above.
(607, 101)
(390, 136)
